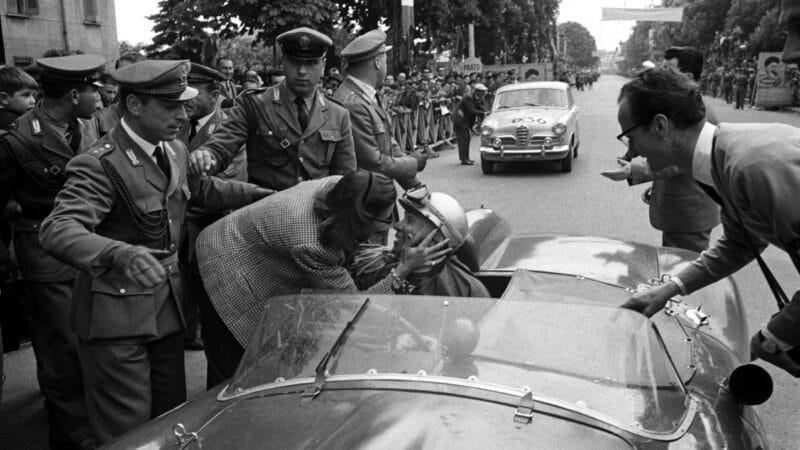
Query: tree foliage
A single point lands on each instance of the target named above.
(580, 44)
(508, 30)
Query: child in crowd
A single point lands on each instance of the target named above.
(16, 94)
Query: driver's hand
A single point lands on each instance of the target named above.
(653, 300)
(202, 162)
(623, 172)
(419, 254)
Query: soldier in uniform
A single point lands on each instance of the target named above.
(376, 149)
(292, 132)
(118, 220)
(205, 117)
(109, 116)
(33, 155)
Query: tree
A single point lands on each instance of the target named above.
(580, 44)
(179, 26)
(769, 35)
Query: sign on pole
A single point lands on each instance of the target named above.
(472, 65)
(644, 14)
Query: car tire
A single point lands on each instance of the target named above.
(575, 150)
(566, 163)
(487, 166)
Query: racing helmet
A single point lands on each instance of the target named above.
(442, 210)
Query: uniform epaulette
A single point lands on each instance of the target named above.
(99, 149)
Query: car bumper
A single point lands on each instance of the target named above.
(525, 154)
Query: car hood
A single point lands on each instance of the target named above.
(545, 117)
(390, 419)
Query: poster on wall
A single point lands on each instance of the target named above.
(773, 86)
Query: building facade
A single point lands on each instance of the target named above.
(31, 28)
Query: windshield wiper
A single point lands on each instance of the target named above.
(531, 104)
(322, 367)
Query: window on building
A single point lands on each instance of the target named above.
(90, 11)
(23, 7)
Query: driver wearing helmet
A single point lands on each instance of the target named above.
(424, 212)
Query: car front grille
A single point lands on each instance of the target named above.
(539, 140)
(522, 136)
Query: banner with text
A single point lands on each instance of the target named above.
(644, 14)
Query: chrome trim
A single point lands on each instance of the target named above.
(633, 428)
(555, 149)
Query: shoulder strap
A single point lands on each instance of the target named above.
(248, 102)
(780, 296)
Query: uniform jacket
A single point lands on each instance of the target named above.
(324, 148)
(237, 169)
(269, 248)
(25, 178)
(375, 147)
(91, 219)
(678, 204)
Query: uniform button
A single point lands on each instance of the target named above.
(299, 179)
(35, 226)
(302, 141)
(169, 221)
(169, 268)
(171, 246)
(122, 291)
(300, 158)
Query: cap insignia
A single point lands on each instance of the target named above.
(132, 157)
(304, 41)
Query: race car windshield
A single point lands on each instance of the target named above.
(602, 360)
(522, 98)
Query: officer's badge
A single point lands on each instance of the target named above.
(183, 74)
(37, 127)
(211, 129)
(132, 157)
(304, 42)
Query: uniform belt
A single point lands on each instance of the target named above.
(35, 213)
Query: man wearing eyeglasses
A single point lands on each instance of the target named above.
(753, 170)
(678, 207)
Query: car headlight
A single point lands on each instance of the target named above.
(497, 143)
(559, 129)
(486, 130)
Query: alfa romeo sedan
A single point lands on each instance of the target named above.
(531, 122)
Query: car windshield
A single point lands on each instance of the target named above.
(521, 98)
(602, 360)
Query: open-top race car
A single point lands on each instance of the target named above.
(549, 362)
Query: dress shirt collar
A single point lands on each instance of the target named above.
(701, 161)
(146, 146)
(369, 90)
(308, 100)
(201, 122)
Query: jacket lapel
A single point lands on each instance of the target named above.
(285, 109)
(152, 173)
(208, 128)
(174, 173)
(317, 115)
(51, 141)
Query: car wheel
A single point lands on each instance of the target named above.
(487, 166)
(566, 163)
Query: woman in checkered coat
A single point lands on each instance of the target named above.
(295, 239)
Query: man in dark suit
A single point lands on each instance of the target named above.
(678, 207)
(292, 132)
(376, 149)
(33, 156)
(118, 220)
(469, 109)
(753, 170)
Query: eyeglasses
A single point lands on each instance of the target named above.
(623, 137)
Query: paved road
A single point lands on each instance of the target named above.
(532, 199)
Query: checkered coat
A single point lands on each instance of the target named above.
(269, 248)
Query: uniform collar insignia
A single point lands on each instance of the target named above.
(321, 99)
(276, 95)
(170, 151)
(211, 129)
(132, 157)
(37, 127)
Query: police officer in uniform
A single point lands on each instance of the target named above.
(376, 149)
(118, 219)
(205, 117)
(33, 156)
(292, 132)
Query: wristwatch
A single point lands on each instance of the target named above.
(399, 285)
(768, 345)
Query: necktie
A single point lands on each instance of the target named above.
(161, 160)
(192, 129)
(302, 114)
(74, 135)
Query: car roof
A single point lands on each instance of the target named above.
(534, 85)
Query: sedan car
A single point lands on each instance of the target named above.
(535, 121)
(549, 362)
